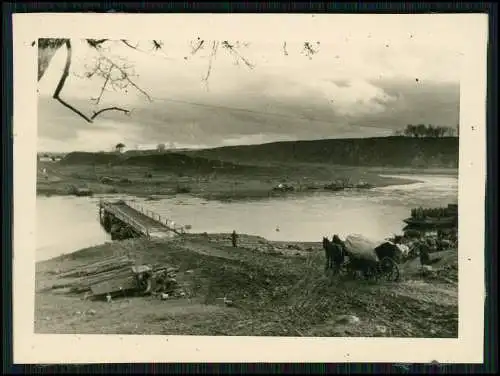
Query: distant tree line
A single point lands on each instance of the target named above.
(422, 130)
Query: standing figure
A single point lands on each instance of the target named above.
(424, 253)
(234, 239)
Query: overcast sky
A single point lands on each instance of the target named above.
(361, 83)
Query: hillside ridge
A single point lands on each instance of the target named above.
(392, 151)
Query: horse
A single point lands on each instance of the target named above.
(335, 254)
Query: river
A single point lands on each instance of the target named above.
(68, 223)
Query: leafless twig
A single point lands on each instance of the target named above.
(96, 43)
(60, 86)
(157, 45)
(309, 50)
(126, 43)
(200, 43)
(124, 76)
(233, 50)
(215, 46)
(114, 108)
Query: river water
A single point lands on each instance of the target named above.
(68, 223)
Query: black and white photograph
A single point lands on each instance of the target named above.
(222, 182)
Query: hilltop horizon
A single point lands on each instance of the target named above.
(153, 147)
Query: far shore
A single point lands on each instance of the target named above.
(259, 184)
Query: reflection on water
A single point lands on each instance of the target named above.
(69, 223)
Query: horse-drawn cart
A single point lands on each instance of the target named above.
(372, 259)
(359, 255)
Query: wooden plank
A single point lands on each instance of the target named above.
(98, 269)
(102, 262)
(104, 276)
(114, 285)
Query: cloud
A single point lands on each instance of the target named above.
(60, 129)
(359, 109)
(356, 97)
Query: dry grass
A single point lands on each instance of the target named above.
(275, 293)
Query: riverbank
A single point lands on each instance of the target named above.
(254, 183)
(278, 288)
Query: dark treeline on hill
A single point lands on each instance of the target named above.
(422, 130)
(179, 162)
(395, 151)
(88, 158)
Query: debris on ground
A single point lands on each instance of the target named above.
(381, 329)
(115, 276)
(347, 319)
(227, 302)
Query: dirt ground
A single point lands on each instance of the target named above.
(277, 289)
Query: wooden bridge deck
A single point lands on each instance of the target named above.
(144, 221)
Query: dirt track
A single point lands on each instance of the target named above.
(277, 288)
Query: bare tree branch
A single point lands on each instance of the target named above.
(199, 46)
(47, 48)
(103, 87)
(125, 76)
(62, 82)
(309, 50)
(114, 108)
(117, 74)
(126, 43)
(157, 45)
(232, 49)
(215, 46)
(96, 43)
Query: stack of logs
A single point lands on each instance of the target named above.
(81, 279)
(118, 275)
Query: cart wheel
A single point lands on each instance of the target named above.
(146, 286)
(390, 269)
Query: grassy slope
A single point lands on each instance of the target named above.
(275, 291)
(383, 151)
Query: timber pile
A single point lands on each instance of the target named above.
(114, 275)
(105, 265)
(80, 279)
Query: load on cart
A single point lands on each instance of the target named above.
(359, 255)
